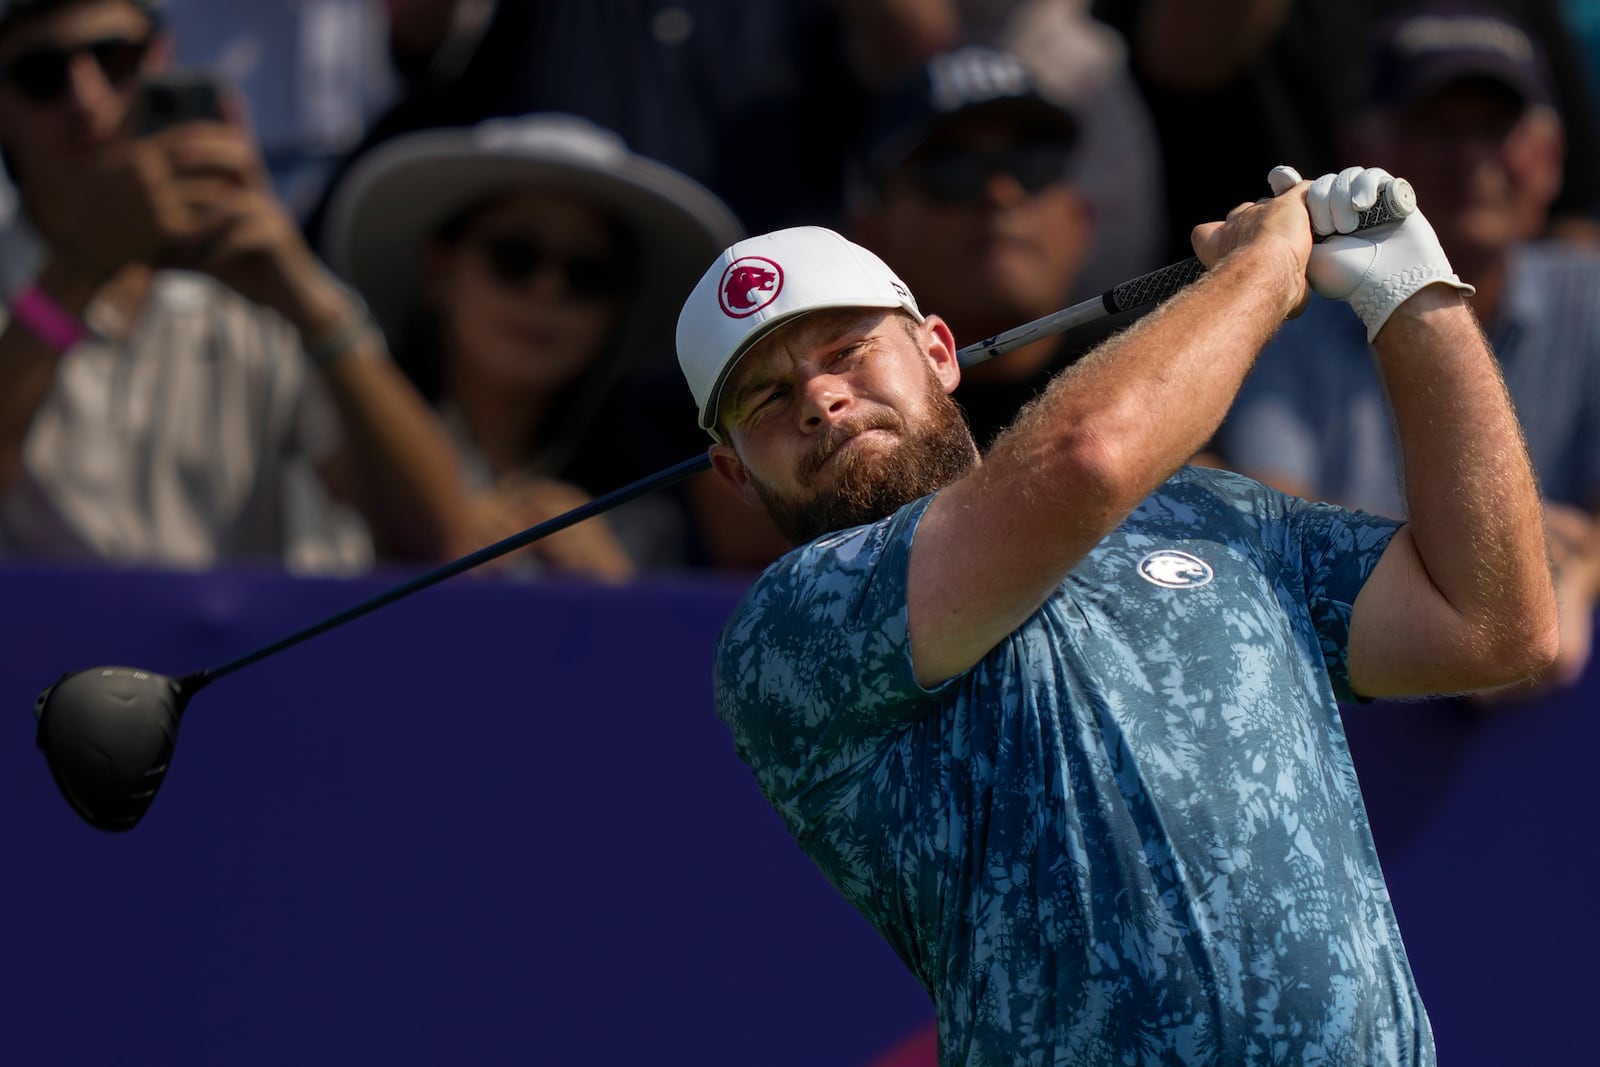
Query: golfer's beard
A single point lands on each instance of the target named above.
(870, 483)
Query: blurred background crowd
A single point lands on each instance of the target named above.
(411, 286)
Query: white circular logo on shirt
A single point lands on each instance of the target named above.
(1172, 569)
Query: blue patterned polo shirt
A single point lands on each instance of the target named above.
(1132, 833)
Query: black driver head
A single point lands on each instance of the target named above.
(107, 734)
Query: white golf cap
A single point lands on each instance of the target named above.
(762, 282)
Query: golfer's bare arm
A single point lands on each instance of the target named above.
(1462, 598)
(1107, 432)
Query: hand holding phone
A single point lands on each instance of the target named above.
(170, 99)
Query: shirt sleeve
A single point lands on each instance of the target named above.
(1338, 550)
(815, 665)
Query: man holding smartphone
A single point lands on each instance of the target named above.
(182, 382)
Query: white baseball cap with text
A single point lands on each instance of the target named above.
(758, 284)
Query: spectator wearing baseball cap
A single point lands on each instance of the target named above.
(964, 185)
(1430, 49)
(1244, 84)
(1458, 99)
(528, 271)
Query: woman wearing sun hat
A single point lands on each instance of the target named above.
(525, 271)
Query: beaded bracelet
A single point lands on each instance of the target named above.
(333, 346)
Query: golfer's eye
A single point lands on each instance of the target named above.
(767, 400)
(846, 355)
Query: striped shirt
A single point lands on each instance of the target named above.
(192, 442)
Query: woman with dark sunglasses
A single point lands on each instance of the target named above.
(182, 382)
(528, 273)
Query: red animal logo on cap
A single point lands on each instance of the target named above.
(748, 285)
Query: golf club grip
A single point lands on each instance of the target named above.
(1396, 200)
(1154, 287)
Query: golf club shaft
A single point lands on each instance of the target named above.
(650, 483)
(1146, 290)
(1395, 202)
(1056, 323)
(1150, 289)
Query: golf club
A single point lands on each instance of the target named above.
(108, 733)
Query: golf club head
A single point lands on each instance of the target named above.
(107, 734)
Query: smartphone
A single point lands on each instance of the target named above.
(167, 100)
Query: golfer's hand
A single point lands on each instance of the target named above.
(1377, 269)
(1276, 227)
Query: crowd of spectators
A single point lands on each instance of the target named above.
(413, 287)
(528, 272)
(182, 382)
(1471, 120)
(415, 290)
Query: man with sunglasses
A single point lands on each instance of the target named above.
(1463, 100)
(963, 185)
(182, 383)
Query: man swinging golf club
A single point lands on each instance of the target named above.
(1061, 720)
(108, 733)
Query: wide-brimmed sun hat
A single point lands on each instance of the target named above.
(395, 199)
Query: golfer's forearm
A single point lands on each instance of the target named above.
(1474, 507)
(1155, 394)
(1083, 455)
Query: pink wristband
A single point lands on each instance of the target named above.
(46, 319)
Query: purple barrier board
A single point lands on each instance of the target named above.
(500, 823)
(493, 823)
(1486, 826)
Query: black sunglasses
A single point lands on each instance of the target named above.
(951, 174)
(42, 74)
(514, 260)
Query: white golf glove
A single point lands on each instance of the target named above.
(1376, 270)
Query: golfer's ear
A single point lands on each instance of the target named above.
(941, 348)
(725, 461)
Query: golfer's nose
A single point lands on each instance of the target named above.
(825, 399)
